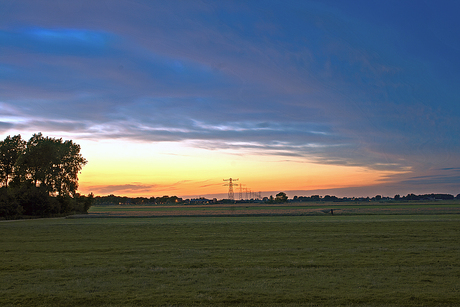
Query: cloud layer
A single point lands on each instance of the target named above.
(372, 85)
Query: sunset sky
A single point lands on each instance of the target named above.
(346, 98)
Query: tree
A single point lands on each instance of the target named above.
(281, 197)
(52, 164)
(40, 177)
(10, 150)
(330, 198)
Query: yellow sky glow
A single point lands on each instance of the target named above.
(172, 168)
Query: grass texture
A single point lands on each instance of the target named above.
(292, 209)
(388, 260)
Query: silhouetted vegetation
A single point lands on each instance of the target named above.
(280, 198)
(123, 200)
(429, 197)
(40, 177)
(397, 197)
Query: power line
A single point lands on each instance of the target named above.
(244, 192)
(230, 185)
(241, 191)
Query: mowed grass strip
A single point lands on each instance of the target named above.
(366, 208)
(324, 261)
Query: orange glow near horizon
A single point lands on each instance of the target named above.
(156, 169)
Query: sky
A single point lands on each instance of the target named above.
(346, 98)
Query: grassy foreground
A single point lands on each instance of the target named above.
(374, 260)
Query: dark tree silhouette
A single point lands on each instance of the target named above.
(10, 150)
(281, 197)
(52, 164)
(40, 177)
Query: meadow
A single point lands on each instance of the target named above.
(293, 209)
(310, 260)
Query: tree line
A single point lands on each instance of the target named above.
(280, 198)
(397, 197)
(39, 177)
(124, 200)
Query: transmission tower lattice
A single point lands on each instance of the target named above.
(241, 191)
(230, 185)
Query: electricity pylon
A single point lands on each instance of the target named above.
(230, 185)
(241, 191)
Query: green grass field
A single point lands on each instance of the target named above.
(293, 209)
(349, 260)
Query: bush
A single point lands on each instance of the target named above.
(83, 203)
(9, 207)
(35, 201)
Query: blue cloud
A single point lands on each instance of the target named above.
(77, 42)
(341, 82)
(450, 180)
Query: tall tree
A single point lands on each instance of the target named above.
(281, 197)
(51, 163)
(10, 150)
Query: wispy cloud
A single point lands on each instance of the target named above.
(338, 84)
(149, 189)
(121, 189)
